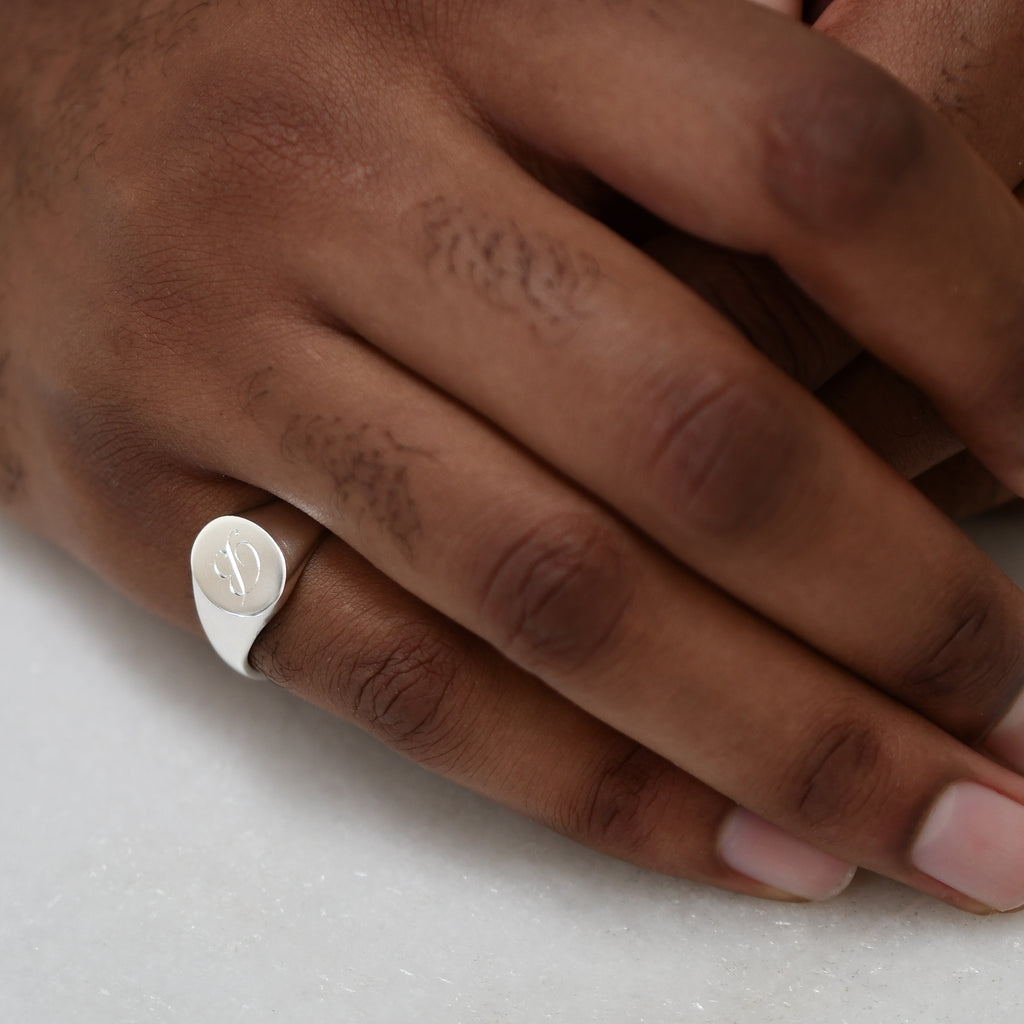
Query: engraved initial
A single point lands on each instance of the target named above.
(236, 561)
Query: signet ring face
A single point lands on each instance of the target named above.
(239, 576)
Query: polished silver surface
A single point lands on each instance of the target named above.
(238, 579)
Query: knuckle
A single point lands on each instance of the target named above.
(399, 683)
(967, 673)
(399, 687)
(614, 812)
(838, 144)
(723, 454)
(557, 594)
(839, 778)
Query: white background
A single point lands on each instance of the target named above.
(181, 844)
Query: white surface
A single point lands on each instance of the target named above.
(181, 844)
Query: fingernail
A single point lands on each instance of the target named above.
(1006, 740)
(763, 851)
(973, 841)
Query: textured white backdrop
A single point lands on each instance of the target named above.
(180, 844)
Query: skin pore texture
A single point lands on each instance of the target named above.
(612, 349)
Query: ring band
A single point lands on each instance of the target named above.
(242, 575)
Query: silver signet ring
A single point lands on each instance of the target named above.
(240, 580)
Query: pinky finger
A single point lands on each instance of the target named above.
(352, 642)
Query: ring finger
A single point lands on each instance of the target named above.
(354, 643)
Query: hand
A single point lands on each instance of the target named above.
(590, 553)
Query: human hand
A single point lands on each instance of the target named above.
(590, 554)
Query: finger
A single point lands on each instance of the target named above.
(757, 298)
(532, 316)
(962, 487)
(560, 588)
(891, 416)
(894, 418)
(355, 644)
(822, 162)
(888, 413)
(964, 61)
(896, 421)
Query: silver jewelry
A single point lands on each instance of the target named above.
(239, 577)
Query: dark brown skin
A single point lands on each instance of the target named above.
(588, 550)
(965, 61)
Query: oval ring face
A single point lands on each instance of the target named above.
(238, 566)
